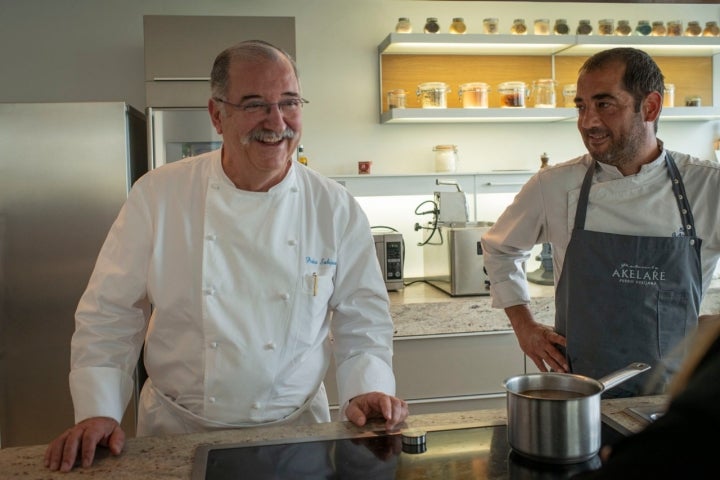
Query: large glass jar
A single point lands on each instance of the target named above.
(474, 94)
(669, 95)
(445, 158)
(542, 93)
(512, 94)
(569, 92)
(433, 94)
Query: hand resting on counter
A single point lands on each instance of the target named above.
(377, 405)
(83, 438)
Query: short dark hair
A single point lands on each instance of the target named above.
(247, 50)
(642, 74)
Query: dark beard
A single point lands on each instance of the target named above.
(624, 150)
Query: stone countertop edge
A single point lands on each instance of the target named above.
(421, 310)
(171, 457)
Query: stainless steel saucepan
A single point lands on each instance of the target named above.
(556, 417)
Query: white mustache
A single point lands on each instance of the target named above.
(269, 136)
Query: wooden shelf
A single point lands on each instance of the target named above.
(407, 60)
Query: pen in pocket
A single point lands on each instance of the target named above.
(314, 284)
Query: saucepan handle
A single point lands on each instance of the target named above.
(619, 376)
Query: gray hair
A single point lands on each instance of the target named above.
(249, 50)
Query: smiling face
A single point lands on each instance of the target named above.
(613, 130)
(258, 146)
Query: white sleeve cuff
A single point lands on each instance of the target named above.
(100, 392)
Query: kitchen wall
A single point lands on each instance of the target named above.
(86, 50)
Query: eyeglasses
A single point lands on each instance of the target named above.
(288, 107)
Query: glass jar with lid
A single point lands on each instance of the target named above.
(674, 28)
(561, 27)
(658, 29)
(474, 94)
(606, 26)
(403, 25)
(669, 95)
(490, 26)
(542, 26)
(446, 158)
(512, 94)
(569, 93)
(623, 28)
(433, 94)
(584, 28)
(643, 28)
(458, 26)
(711, 29)
(542, 93)
(396, 98)
(431, 25)
(693, 29)
(518, 27)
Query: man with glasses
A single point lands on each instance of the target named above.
(250, 262)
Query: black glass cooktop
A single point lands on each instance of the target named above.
(468, 453)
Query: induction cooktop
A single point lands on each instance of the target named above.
(464, 453)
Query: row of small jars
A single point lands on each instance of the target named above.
(476, 94)
(605, 27)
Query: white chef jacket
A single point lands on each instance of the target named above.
(641, 204)
(244, 286)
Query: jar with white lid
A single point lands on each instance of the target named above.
(474, 94)
(433, 94)
(446, 158)
(512, 94)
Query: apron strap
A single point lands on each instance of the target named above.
(677, 185)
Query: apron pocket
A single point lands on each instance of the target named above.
(673, 314)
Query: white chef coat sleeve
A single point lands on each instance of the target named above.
(110, 320)
(362, 328)
(507, 244)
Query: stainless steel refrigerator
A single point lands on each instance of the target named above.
(65, 170)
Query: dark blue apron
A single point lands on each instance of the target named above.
(625, 298)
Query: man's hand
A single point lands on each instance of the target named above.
(376, 405)
(85, 436)
(538, 341)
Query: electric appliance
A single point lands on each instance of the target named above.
(390, 251)
(453, 258)
(455, 454)
(65, 171)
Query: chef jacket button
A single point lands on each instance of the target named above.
(215, 186)
(292, 242)
(294, 189)
(285, 296)
(692, 241)
(270, 346)
(211, 237)
(211, 399)
(213, 344)
(684, 211)
(256, 405)
(209, 291)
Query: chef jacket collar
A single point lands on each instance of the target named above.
(611, 172)
(285, 184)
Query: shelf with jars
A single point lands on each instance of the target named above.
(412, 62)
